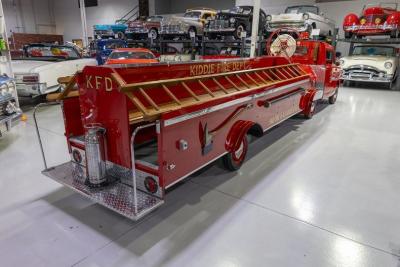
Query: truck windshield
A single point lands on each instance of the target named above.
(131, 55)
(52, 51)
(374, 51)
(302, 9)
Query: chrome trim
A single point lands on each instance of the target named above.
(202, 112)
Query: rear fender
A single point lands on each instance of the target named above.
(350, 19)
(236, 134)
(307, 99)
(393, 19)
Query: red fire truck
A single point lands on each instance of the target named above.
(133, 132)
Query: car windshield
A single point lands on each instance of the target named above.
(131, 55)
(52, 51)
(374, 51)
(301, 9)
(240, 10)
(192, 14)
(113, 45)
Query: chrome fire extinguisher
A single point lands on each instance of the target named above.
(95, 145)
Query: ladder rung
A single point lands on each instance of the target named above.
(220, 86)
(152, 103)
(261, 78)
(253, 80)
(289, 69)
(171, 95)
(280, 73)
(276, 76)
(242, 81)
(206, 88)
(137, 103)
(190, 91)
(287, 73)
(232, 83)
(269, 77)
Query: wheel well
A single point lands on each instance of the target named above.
(314, 25)
(154, 29)
(256, 130)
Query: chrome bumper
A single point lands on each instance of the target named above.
(365, 78)
(219, 30)
(34, 89)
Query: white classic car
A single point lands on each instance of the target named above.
(37, 72)
(370, 63)
(304, 18)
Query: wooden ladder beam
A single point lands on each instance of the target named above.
(253, 80)
(206, 88)
(190, 91)
(232, 83)
(220, 86)
(242, 81)
(137, 103)
(148, 98)
(171, 95)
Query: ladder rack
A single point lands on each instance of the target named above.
(153, 98)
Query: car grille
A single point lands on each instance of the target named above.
(275, 25)
(218, 24)
(170, 28)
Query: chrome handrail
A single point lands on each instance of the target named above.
(139, 128)
(37, 128)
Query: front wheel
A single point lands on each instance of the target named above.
(120, 35)
(332, 99)
(234, 160)
(153, 34)
(348, 35)
(394, 34)
(309, 113)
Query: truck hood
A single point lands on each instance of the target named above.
(28, 66)
(287, 17)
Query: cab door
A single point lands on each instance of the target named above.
(332, 72)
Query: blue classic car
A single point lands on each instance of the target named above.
(102, 48)
(116, 30)
(9, 110)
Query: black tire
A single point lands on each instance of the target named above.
(121, 35)
(234, 160)
(153, 33)
(309, 114)
(348, 35)
(332, 99)
(394, 34)
(239, 29)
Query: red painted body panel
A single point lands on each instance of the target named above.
(226, 119)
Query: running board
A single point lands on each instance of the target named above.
(117, 196)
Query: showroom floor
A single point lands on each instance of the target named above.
(323, 192)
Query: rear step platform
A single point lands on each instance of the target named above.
(116, 196)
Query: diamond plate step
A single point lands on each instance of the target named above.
(116, 196)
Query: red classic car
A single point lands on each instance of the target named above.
(143, 28)
(376, 19)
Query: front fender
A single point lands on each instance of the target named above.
(236, 134)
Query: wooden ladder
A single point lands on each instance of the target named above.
(200, 89)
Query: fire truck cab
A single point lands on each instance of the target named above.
(321, 57)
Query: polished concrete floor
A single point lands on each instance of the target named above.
(323, 192)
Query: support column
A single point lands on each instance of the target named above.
(84, 23)
(255, 27)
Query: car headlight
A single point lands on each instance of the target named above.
(306, 16)
(232, 20)
(269, 18)
(341, 62)
(388, 65)
(11, 108)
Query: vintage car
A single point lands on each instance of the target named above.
(102, 48)
(131, 56)
(371, 63)
(375, 19)
(37, 72)
(302, 18)
(144, 28)
(9, 110)
(193, 21)
(116, 30)
(233, 22)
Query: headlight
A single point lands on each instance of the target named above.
(269, 18)
(341, 62)
(388, 65)
(232, 20)
(306, 16)
(11, 108)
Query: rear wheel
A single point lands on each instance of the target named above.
(120, 35)
(234, 160)
(153, 34)
(332, 99)
(238, 31)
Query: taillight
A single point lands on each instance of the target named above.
(30, 79)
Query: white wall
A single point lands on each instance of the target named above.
(29, 16)
(68, 18)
